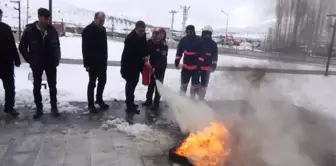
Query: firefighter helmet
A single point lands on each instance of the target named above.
(207, 28)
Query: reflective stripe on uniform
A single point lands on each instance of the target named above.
(189, 67)
(189, 53)
(206, 68)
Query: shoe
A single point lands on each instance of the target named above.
(93, 109)
(12, 112)
(102, 105)
(133, 109)
(55, 112)
(155, 107)
(38, 113)
(147, 103)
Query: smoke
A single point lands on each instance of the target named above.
(273, 129)
(269, 131)
(190, 115)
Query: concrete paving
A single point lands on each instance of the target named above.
(77, 140)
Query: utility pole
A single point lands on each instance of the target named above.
(18, 9)
(185, 10)
(227, 24)
(173, 12)
(330, 51)
(27, 12)
(50, 9)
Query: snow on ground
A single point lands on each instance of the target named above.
(72, 49)
(311, 92)
(73, 79)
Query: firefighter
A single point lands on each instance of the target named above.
(40, 47)
(9, 57)
(209, 59)
(157, 50)
(191, 46)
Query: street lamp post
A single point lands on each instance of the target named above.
(227, 23)
(331, 45)
(18, 9)
(50, 9)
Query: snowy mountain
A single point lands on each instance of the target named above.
(70, 14)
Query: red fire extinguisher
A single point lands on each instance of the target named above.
(146, 73)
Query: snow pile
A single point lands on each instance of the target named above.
(25, 99)
(191, 116)
(138, 131)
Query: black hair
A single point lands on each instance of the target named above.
(43, 12)
(0, 11)
(140, 24)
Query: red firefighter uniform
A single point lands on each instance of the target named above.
(209, 60)
(190, 48)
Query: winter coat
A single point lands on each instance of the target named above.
(157, 54)
(210, 55)
(135, 50)
(94, 47)
(8, 51)
(191, 46)
(40, 49)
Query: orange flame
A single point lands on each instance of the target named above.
(206, 148)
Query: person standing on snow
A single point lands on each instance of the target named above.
(40, 47)
(132, 61)
(191, 46)
(94, 49)
(9, 57)
(209, 59)
(158, 50)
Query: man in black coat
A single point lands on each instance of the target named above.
(94, 49)
(40, 47)
(132, 61)
(8, 57)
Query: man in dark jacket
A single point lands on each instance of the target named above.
(209, 59)
(40, 47)
(158, 50)
(191, 47)
(8, 57)
(94, 48)
(132, 61)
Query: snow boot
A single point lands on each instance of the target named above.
(38, 113)
(155, 107)
(92, 109)
(147, 103)
(132, 109)
(55, 112)
(11, 112)
(102, 105)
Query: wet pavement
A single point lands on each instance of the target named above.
(77, 139)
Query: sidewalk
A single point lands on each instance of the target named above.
(74, 140)
(79, 139)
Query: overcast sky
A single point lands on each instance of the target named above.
(202, 12)
(242, 13)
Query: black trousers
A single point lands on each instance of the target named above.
(186, 75)
(8, 83)
(51, 73)
(94, 75)
(132, 79)
(204, 77)
(160, 73)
